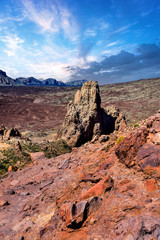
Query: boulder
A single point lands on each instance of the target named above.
(85, 118)
(148, 158)
(128, 148)
(9, 133)
(74, 214)
(13, 132)
(99, 188)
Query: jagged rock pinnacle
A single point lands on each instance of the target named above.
(85, 118)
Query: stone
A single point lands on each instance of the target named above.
(64, 164)
(13, 132)
(156, 139)
(99, 188)
(85, 118)
(115, 113)
(148, 158)
(2, 131)
(37, 156)
(156, 126)
(10, 169)
(103, 138)
(3, 203)
(127, 149)
(74, 214)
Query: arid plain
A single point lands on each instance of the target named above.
(41, 110)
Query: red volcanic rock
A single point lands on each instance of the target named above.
(127, 149)
(37, 156)
(74, 214)
(3, 203)
(131, 228)
(156, 139)
(150, 184)
(148, 158)
(156, 126)
(125, 185)
(99, 188)
(78, 235)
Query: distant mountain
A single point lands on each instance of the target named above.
(5, 80)
(31, 81)
(53, 82)
(76, 83)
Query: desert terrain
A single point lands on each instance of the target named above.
(40, 111)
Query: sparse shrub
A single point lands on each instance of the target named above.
(31, 147)
(119, 139)
(11, 157)
(136, 125)
(18, 159)
(56, 148)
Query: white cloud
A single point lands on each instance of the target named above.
(49, 69)
(52, 18)
(112, 44)
(123, 28)
(104, 25)
(43, 17)
(89, 33)
(12, 42)
(91, 58)
(68, 24)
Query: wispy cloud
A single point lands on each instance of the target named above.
(144, 14)
(52, 18)
(12, 43)
(43, 17)
(124, 28)
(112, 44)
(89, 33)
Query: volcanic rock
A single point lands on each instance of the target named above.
(86, 119)
(7, 134)
(127, 149)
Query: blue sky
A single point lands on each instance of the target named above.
(104, 40)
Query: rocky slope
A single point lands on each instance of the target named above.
(107, 189)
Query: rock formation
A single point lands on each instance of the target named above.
(85, 118)
(7, 134)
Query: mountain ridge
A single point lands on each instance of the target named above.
(5, 80)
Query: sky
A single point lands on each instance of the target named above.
(105, 40)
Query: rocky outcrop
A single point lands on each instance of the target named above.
(85, 118)
(141, 148)
(9, 133)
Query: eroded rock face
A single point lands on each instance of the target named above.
(85, 118)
